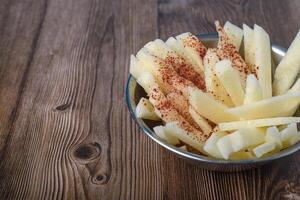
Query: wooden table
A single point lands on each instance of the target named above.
(65, 131)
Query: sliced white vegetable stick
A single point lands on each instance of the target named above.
(295, 87)
(288, 68)
(159, 49)
(289, 135)
(209, 108)
(165, 110)
(263, 60)
(147, 81)
(193, 47)
(239, 140)
(253, 91)
(264, 148)
(253, 136)
(272, 107)
(246, 137)
(288, 132)
(174, 129)
(147, 60)
(293, 140)
(179, 49)
(152, 65)
(181, 104)
(160, 131)
(273, 135)
(230, 80)
(249, 48)
(258, 123)
(225, 146)
(210, 145)
(202, 122)
(167, 78)
(145, 110)
(158, 99)
(234, 33)
(212, 82)
(136, 69)
(226, 50)
(164, 57)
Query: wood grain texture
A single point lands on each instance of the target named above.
(65, 131)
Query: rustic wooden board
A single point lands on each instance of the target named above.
(65, 132)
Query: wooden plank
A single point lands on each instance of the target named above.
(47, 142)
(65, 130)
(69, 138)
(18, 39)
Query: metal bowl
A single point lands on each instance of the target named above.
(134, 92)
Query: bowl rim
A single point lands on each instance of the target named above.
(197, 157)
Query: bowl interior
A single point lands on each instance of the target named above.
(134, 92)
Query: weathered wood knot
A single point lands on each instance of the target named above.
(63, 107)
(100, 179)
(86, 153)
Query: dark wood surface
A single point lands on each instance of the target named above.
(65, 132)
